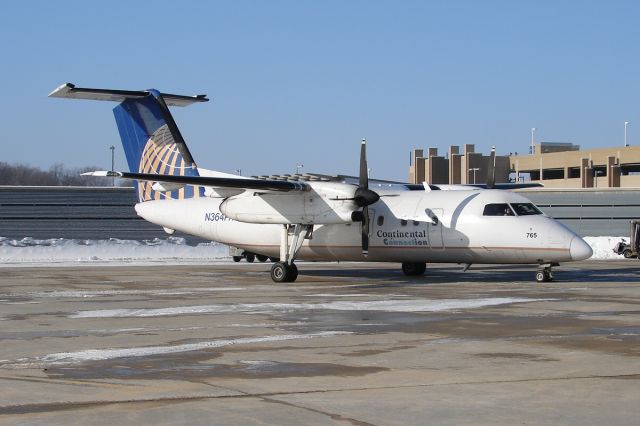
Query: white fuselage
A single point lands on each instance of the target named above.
(406, 226)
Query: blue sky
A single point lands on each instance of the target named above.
(303, 81)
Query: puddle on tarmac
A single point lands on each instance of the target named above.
(173, 367)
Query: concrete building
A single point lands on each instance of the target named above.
(613, 167)
(555, 165)
(456, 167)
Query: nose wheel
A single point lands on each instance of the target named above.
(545, 274)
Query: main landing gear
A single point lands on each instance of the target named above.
(286, 271)
(414, 268)
(544, 273)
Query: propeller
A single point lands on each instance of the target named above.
(364, 197)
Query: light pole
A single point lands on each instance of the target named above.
(533, 138)
(298, 167)
(626, 123)
(596, 173)
(474, 170)
(113, 163)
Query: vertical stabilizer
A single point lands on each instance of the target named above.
(150, 137)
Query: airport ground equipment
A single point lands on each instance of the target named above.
(631, 249)
(237, 254)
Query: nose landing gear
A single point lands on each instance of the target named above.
(544, 273)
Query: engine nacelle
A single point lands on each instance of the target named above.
(326, 203)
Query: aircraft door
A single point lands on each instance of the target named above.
(435, 228)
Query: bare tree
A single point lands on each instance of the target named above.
(57, 175)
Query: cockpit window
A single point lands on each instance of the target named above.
(498, 210)
(525, 209)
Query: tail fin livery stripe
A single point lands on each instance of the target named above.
(172, 167)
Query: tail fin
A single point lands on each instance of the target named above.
(150, 137)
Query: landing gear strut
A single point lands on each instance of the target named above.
(544, 273)
(285, 271)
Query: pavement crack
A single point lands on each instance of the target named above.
(333, 416)
(69, 405)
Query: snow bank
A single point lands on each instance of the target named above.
(603, 247)
(55, 250)
(59, 250)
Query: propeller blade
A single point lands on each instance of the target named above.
(365, 231)
(491, 173)
(363, 195)
(364, 172)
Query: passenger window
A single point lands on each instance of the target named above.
(525, 209)
(416, 223)
(403, 222)
(380, 220)
(501, 209)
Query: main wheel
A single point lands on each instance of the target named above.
(237, 258)
(250, 257)
(261, 258)
(294, 272)
(628, 254)
(414, 268)
(283, 273)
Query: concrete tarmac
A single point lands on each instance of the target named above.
(346, 344)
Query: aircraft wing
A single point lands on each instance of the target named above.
(510, 185)
(215, 182)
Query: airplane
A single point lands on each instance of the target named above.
(324, 219)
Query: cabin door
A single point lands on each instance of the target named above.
(436, 229)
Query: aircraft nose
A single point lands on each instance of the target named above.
(579, 249)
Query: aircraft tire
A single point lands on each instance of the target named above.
(414, 268)
(237, 258)
(250, 257)
(544, 276)
(261, 258)
(283, 273)
(628, 254)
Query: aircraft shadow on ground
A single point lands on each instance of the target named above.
(489, 274)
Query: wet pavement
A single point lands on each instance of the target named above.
(346, 344)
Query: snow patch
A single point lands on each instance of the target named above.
(104, 354)
(70, 294)
(418, 305)
(56, 250)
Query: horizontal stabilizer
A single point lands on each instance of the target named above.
(70, 91)
(215, 182)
